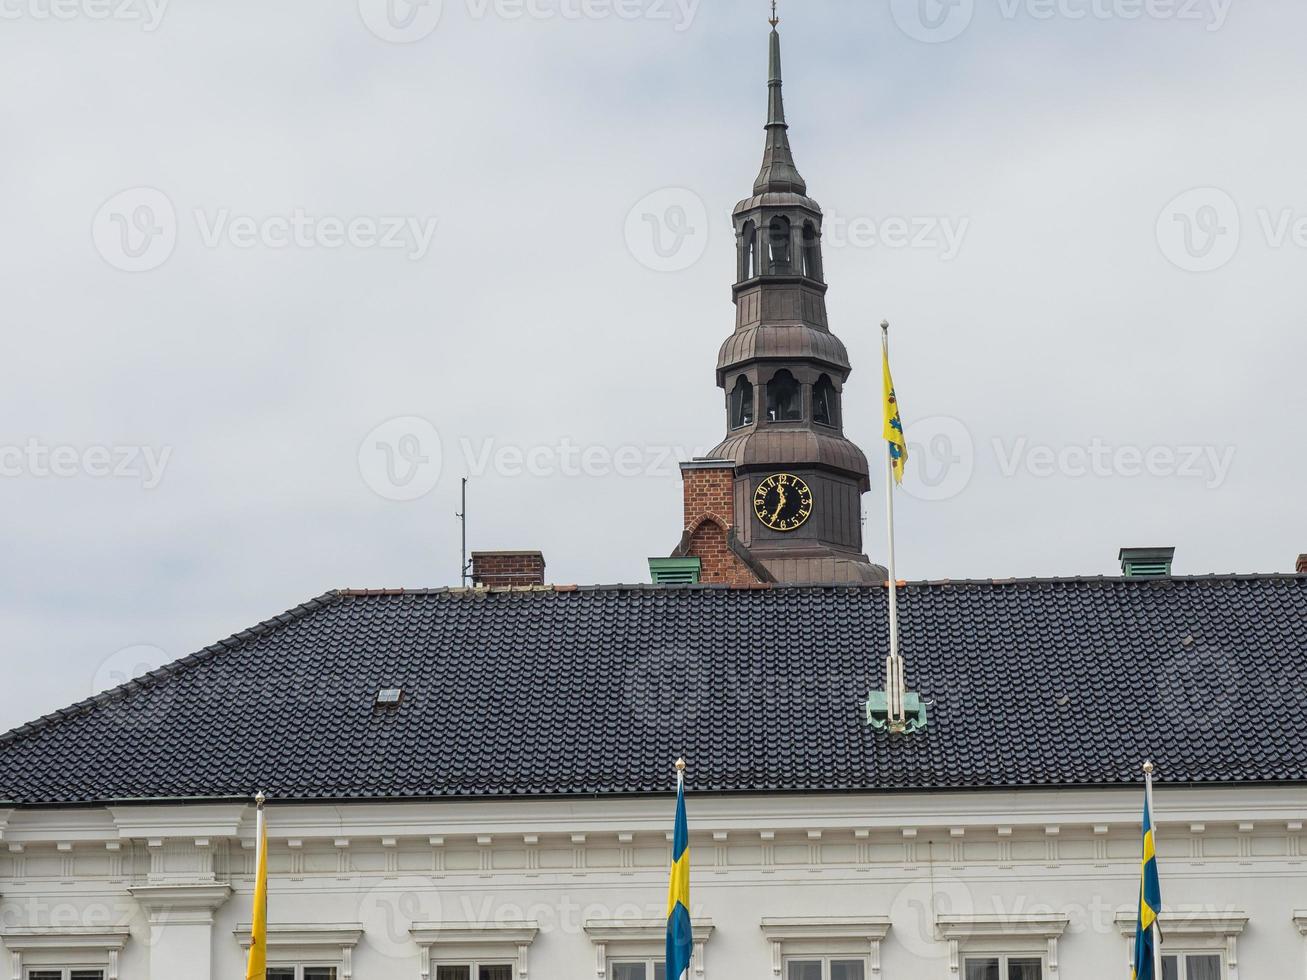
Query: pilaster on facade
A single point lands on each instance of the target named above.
(858, 936)
(642, 939)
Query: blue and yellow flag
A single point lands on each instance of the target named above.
(680, 940)
(1150, 900)
(898, 445)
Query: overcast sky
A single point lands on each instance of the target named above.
(271, 268)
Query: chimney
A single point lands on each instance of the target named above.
(499, 569)
(1146, 562)
(1302, 564)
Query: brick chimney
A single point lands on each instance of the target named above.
(498, 569)
(709, 486)
(1302, 564)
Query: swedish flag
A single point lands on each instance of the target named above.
(898, 444)
(680, 941)
(1150, 899)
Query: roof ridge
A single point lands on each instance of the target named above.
(204, 654)
(825, 586)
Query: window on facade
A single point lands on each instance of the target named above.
(825, 969)
(749, 251)
(825, 409)
(778, 244)
(1004, 968)
(53, 974)
(811, 252)
(638, 970)
(784, 398)
(1192, 966)
(474, 971)
(301, 973)
(742, 404)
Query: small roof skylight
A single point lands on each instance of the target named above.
(390, 695)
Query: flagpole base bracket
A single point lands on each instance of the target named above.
(914, 712)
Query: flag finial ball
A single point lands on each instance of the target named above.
(260, 799)
(680, 765)
(1148, 768)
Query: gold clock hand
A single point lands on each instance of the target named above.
(780, 506)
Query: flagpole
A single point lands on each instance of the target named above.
(1157, 924)
(893, 663)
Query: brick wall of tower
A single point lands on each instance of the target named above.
(709, 516)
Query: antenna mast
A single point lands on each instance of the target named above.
(462, 517)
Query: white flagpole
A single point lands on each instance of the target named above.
(1157, 924)
(893, 664)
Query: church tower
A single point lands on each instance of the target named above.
(780, 498)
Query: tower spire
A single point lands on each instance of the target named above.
(778, 173)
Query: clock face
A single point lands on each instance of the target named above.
(782, 502)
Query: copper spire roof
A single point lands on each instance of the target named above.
(778, 173)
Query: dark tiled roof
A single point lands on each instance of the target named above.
(597, 690)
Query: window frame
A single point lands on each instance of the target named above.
(1193, 931)
(464, 944)
(990, 935)
(1183, 954)
(650, 965)
(641, 941)
(65, 972)
(66, 949)
(299, 968)
(825, 959)
(1003, 961)
(474, 967)
(298, 946)
(826, 938)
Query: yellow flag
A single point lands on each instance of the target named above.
(257, 968)
(898, 445)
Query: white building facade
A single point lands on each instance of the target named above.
(1024, 885)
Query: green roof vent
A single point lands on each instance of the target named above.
(675, 571)
(1147, 562)
(913, 707)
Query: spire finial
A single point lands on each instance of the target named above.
(775, 17)
(778, 174)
